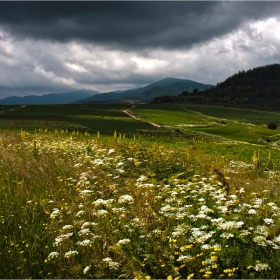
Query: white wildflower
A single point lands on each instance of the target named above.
(85, 232)
(217, 221)
(142, 178)
(98, 162)
(277, 239)
(86, 269)
(101, 213)
(53, 255)
(268, 221)
(200, 236)
(181, 215)
(183, 258)
(80, 213)
(84, 243)
(67, 227)
(102, 202)
(157, 232)
(167, 208)
(224, 209)
(205, 209)
(241, 190)
(239, 224)
(258, 201)
(205, 247)
(126, 199)
(88, 224)
(114, 265)
(260, 240)
(123, 241)
(228, 225)
(70, 254)
(111, 151)
(261, 266)
(120, 170)
(217, 247)
(271, 204)
(252, 212)
(227, 235)
(107, 259)
(85, 193)
(244, 233)
(263, 230)
(56, 213)
(61, 238)
(118, 210)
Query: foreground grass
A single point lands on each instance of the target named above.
(83, 207)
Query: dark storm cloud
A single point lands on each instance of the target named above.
(130, 25)
(50, 46)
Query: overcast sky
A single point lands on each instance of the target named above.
(61, 46)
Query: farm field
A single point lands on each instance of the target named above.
(87, 191)
(235, 124)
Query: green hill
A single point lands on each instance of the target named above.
(258, 88)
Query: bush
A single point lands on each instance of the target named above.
(272, 126)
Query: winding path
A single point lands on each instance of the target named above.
(136, 118)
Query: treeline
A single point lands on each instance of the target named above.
(258, 88)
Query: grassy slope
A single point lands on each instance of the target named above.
(44, 171)
(51, 185)
(234, 124)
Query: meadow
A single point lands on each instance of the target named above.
(89, 192)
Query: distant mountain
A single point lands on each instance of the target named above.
(51, 98)
(258, 88)
(148, 95)
(167, 86)
(108, 97)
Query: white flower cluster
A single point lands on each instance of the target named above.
(128, 199)
(194, 211)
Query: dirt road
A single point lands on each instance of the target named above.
(136, 118)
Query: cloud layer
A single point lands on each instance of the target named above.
(56, 46)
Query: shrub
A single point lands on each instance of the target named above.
(272, 126)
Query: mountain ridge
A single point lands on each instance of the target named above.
(168, 85)
(50, 98)
(140, 94)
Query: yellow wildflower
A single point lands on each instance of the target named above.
(190, 276)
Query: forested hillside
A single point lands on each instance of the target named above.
(258, 88)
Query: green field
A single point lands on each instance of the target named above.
(230, 123)
(91, 118)
(89, 192)
(235, 124)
